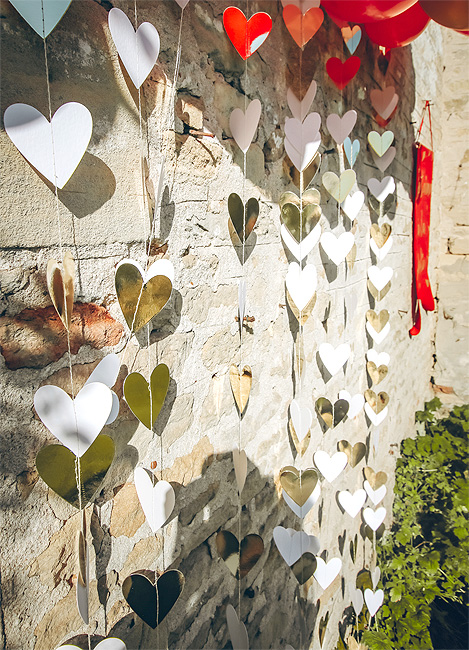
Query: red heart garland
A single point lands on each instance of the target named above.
(302, 27)
(342, 73)
(246, 35)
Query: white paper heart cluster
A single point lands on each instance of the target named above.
(302, 136)
(293, 544)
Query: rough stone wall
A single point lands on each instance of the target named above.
(104, 218)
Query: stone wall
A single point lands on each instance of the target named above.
(105, 217)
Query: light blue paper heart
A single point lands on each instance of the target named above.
(351, 150)
(32, 12)
(353, 43)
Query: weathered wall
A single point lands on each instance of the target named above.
(196, 335)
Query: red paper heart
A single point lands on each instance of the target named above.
(246, 35)
(302, 27)
(342, 73)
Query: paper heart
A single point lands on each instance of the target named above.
(243, 126)
(301, 284)
(351, 150)
(340, 127)
(83, 578)
(339, 188)
(106, 373)
(107, 644)
(302, 511)
(352, 204)
(381, 189)
(293, 544)
(301, 418)
(380, 235)
(237, 630)
(374, 518)
(304, 568)
(377, 373)
(334, 358)
(240, 463)
(357, 601)
(145, 399)
(41, 16)
(56, 466)
(298, 485)
(375, 576)
(377, 401)
(374, 600)
(301, 250)
(342, 73)
(375, 479)
(300, 222)
(383, 162)
(354, 453)
(146, 599)
(352, 503)
(304, 5)
(61, 287)
(337, 248)
(239, 561)
(330, 415)
(379, 278)
(377, 321)
(241, 386)
(378, 337)
(330, 466)
(246, 35)
(381, 358)
(384, 101)
(302, 139)
(322, 628)
(302, 27)
(75, 423)
(356, 403)
(383, 251)
(138, 50)
(380, 143)
(300, 108)
(157, 499)
(53, 148)
(375, 496)
(182, 3)
(325, 574)
(375, 418)
(243, 217)
(352, 37)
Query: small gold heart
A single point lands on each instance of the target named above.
(241, 386)
(308, 174)
(377, 401)
(355, 453)
(304, 568)
(61, 287)
(331, 414)
(376, 374)
(146, 401)
(377, 321)
(375, 479)
(152, 603)
(242, 217)
(378, 295)
(298, 485)
(380, 235)
(239, 561)
(300, 226)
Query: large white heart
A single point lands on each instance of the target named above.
(32, 134)
(357, 601)
(374, 600)
(302, 511)
(301, 284)
(76, 423)
(356, 403)
(352, 503)
(341, 127)
(381, 189)
(301, 418)
(379, 358)
(325, 574)
(380, 277)
(293, 544)
(139, 49)
(106, 373)
(302, 139)
(299, 108)
(244, 125)
(374, 518)
(383, 251)
(376, 418)
(334, 358)
(157, 500)
(105, 644)
(237, 629)
(375, 496)
(302, 249)
(337, 248)
(352, 204)
(330, 466)
(41, 16)
(378, 337)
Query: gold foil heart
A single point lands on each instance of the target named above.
(140, 301)
(308, 174)
(355, 453)
(300, 226)
(298, 485)
(353, 548)
(380, 235)
(152, 603)
(377, 401)
(147, 401)
(364, 580)
(242, 217)
(375, 479)
(376, 374)
(378, 295)
(322, 628)
(304, 568)
(239, 561)
(377, 321)
(241, 386)
(330, 415)
(61, 287)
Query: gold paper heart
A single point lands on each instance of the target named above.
(375, 479)
(145, 406)
(300, 226)
(339, 187)
(377, 321)
(377, 401)
(241, 386)
(380, 235)
(56, 466)
(139, 302)
(353, 548)
(323, 627)
(298, 485)
(304, 568)
(376, 374)
(239, 562)
(61, 287)
(355, 453)
(378, 295)
(308, 174)
(364, 580)
(242, 217)
(146, 600)
(331, 414)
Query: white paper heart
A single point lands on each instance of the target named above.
(302, 139)
(75, 423)
(351, 150)
(106, 373)
(244, 125)
(380, 277)
(375, 496)
(380, 143)
(302, 419)
(352, 503)
(330, 466)
(157, 500)
(293, 544)
(375, 575)
(383, 162)
(376, 418)
(301, 161)
(357, 601)
(325, 574)
(242, 289)
(301, 284)
(381, 189)
(238, 633)
(337, 248)
(32, 134)
(302, 511)
(352, 204)
(138, 50)
(299, 108)
(240, 463)
(334, 358)
(374, 600)
(106, 644)
(356, 403)
(383, 251)
(379, 358)
(41, 16)
(374, 518)
(182, 3)
(339, 187)
(384, 101)
(301, 250)
(341, 127)
(378, 337)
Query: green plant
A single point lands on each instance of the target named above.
(426, 553)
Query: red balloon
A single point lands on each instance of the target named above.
(400, 30)
(462, 31)
(364, 11)
(449, 13)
